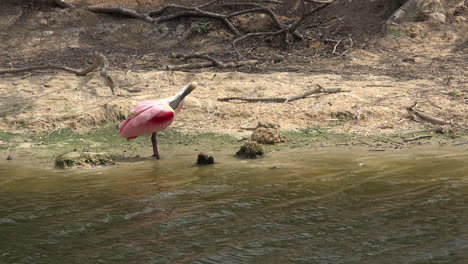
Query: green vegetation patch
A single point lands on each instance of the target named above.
(82, 159)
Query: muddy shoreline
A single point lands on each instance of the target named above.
(43, 148)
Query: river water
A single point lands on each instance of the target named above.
(290, 207)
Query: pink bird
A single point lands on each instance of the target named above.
(150, 117)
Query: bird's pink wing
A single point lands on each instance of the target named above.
(149, 119)
(143, 106)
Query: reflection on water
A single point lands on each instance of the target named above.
(296, 207)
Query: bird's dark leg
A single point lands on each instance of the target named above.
(155, 146)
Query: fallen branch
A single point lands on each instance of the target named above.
(426, 117)
(212, 62)
(416, 138)
(101, 60)
(319, 90)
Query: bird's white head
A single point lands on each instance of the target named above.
(176, 101)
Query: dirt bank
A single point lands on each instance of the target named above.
(380, 76)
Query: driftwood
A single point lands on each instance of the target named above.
(319, 90)
(416, 138)
(426, 117)
(101, 60)
(212, 62)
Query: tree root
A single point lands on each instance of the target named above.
(159, 15)
(126, 12)
(319, 90)
(101, 60)
(212, 62)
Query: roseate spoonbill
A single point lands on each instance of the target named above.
(150, 117)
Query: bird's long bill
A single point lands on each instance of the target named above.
(178, 98)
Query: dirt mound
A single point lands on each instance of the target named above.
(421, 61)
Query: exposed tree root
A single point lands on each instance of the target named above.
(212, 62)
(319, 90)
(173, 11)
(101, 60)
(126, 12)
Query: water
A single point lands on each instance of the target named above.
(291, 207)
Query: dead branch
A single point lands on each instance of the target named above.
(425, 116)
(319, 90)
(212, 62)
(277, 2)
(336, 46)
(100, 60)
(305, 14)
(103, 71)
(416, 138)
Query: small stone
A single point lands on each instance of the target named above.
(250, 150)
(204, 159)
(180, 29)
(443, 130)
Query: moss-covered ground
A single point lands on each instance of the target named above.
(45, 147)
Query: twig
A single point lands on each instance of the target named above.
(272, 2)
(208, 4)
(199, 56)
(101, 60)
(211, 63)
(416, 138)
(425, 116)
(261, 9)
(271, 33)
(320, 89)
(103, 71)
(336, 45)
(293, 27)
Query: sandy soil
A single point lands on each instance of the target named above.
(382, 75)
